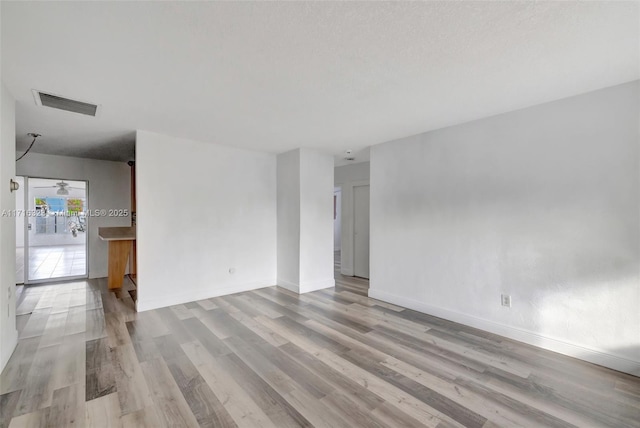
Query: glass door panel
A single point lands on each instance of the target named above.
(56, 229)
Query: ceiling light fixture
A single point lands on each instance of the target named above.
(35, 137)
(62, 186)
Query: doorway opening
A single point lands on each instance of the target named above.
(351, 237)
(361, 231)
(337, 227)
(53, 245)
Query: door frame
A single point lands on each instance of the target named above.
(27, 281)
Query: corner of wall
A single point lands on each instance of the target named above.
(165, 300)
(8, 332)
(308, 287)
(288, 286)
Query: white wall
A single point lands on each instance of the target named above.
(20, 208)
(109, 188)
(180, 257)
(305, 220)
(350, 173)
(346, 177)
(8, 333)
(288, 202)
(541, 204)
(316, 221)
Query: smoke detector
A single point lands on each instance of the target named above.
(66, 104)
(349, 157)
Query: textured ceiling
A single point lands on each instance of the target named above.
(274, 76)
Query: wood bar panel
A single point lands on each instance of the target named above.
(118, 258)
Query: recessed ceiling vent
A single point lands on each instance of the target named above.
(61, 103)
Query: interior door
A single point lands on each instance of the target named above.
(361, 231)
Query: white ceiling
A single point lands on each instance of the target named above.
(274, 76)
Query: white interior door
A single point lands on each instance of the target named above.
(361, 231)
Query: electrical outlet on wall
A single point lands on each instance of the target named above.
(505, 300)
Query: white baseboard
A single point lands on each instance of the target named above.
(197, 294)
(289, 286)
(307, 287)
(100, 274)
(594, 356)
(346, 271)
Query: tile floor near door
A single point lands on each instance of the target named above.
(50, 262)
(272, 358)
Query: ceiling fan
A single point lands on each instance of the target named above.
(63, 188)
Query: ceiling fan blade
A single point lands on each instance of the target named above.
(45, 187)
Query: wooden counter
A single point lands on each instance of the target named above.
(120, 242)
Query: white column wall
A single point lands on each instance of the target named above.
(8, 333)
(305, 220)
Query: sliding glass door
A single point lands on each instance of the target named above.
(56, 229)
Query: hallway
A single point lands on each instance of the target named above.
(352, 284)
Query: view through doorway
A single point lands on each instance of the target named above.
(51, 233)
(351, 284)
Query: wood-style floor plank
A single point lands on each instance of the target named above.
(100, 378)
(8, 404)
(204, 404)
(145, 418)
(103, 412)
(171, 406)
(234, 399)
(132, 391)
(67, 407)
(272, 358)
(15, 376)
(38, 389)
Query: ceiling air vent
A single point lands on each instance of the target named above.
(61, 103)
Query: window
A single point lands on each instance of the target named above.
(52, 214)
(75, 206)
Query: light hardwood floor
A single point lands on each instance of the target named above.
(353, 284)
(271, 358)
